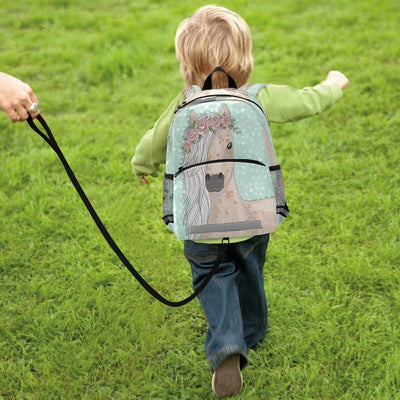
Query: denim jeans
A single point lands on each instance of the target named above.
(234, 300)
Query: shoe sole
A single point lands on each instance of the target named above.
(227, 379)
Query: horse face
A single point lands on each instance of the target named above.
(219, 174)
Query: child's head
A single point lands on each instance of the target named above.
(212, 37)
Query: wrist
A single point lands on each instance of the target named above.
(328, 82)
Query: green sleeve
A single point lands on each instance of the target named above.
(285, 104)
(151, 151)
(281, 103)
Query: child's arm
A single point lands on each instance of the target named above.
(151, 151)
(285, 104)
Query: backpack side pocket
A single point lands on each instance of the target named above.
(168, 200)
(282, 209)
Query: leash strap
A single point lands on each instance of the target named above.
(51, 141)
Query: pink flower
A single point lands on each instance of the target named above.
(215, 122)
(202, 125)
(187, 145)
(226, 120)
(191, 136)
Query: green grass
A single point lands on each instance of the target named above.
(75, 325)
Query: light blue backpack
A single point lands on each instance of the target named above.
(222, 177)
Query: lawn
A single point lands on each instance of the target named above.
(74, 324)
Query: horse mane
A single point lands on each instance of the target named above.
(197, 198)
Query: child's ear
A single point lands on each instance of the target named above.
(225, 111)
(193, 117)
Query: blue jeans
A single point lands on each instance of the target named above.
(234, 300)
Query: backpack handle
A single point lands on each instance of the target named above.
(208, 81)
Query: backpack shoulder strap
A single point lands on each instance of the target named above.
(190, 90)
(253, 89)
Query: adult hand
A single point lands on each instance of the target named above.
(16, 98)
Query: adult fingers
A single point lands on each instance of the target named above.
(17, 109)
(23, 105)
(28, 103)
(33, 97)
(34, 109)
(33, 100)
(34, 115)
(13, 115)
(21, 109)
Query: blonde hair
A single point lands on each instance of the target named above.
(214, 36)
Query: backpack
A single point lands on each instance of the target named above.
(222, 177)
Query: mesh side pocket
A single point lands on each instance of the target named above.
(279, 189)
(168, 199)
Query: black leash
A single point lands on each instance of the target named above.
(51, 141)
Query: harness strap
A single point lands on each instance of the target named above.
(50, 140)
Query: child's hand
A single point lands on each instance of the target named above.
(338, 77)
(144, 180)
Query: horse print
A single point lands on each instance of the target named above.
(213, 201)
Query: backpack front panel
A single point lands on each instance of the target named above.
(214, 196)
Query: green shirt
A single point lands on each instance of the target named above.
(281, 103)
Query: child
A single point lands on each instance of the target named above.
(234, 300)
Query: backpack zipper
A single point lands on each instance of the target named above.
(215, 97)
(243, 160)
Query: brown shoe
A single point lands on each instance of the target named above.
(227, 379)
